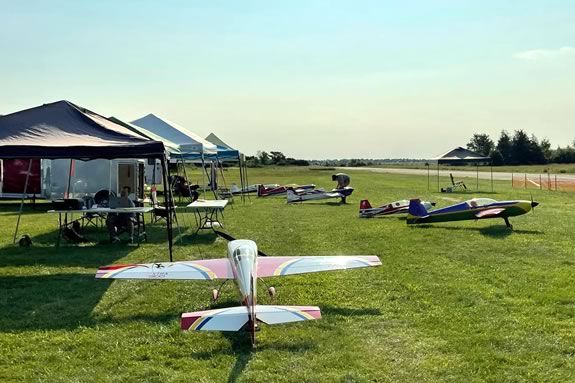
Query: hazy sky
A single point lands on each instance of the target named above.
(314, 79)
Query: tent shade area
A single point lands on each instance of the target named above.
(462, 156)
(63, 130)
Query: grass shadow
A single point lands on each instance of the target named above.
(241, 348)
(49, 302)
(347, 311)
(494, 231)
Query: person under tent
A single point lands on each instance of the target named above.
(119, 222)
(342, 180)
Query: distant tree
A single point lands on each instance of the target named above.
(536, 153)
(278, 158)
(505, 148)
(546, 148)
(481, 143)
(263, 157)
(496, 158)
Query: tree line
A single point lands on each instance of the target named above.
(263, 158)
(520, 149)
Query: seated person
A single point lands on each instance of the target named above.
(119, 221)
(342, 180)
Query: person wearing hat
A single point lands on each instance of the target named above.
(342, 180)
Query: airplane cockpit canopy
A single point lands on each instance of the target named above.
(244, 252)
(478, 202)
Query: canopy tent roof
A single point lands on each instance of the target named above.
(65, 130)
(188, 141)
(171, 147)
(225, 151)
(460, 154)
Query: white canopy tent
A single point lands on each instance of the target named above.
(188, 141)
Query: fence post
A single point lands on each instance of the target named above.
(525, 176)
(555, 182)
(548, 181)
(540, 184)
(512, 180)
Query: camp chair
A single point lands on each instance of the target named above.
(161, 212)
(455, 185)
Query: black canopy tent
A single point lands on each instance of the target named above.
(65, 130)
(462, 156)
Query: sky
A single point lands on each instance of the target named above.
(313, 79)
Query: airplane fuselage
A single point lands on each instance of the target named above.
(243, 256)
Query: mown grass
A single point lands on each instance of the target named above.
(467, 301)
(536, 169)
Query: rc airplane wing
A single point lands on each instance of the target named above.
(207, 269)
(276, 266)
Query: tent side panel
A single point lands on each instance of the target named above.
(14, 176)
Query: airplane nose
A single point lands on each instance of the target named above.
(534, 204)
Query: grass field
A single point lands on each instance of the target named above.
(536, 169)
(455, 302)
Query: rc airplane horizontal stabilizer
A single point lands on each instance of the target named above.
(235, 318)
(473, 209)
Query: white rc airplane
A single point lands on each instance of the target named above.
(314, 195)
(244, 266)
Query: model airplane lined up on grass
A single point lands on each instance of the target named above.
(244, 266)
(473, 209)
(318, 194)
(397, 207)
(235, 189)
(264, 191)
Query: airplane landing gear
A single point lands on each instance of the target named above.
(272, 291)
(509, 225)
(217, 292)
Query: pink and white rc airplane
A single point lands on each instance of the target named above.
(244, 266)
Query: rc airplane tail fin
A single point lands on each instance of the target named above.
(416, 209)
(234, 318)
(364, 204)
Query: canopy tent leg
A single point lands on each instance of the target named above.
(438, 189)
(492, 177)
(22, 201)
(477, 180)
(168, 202)
(70, 170)
(246, 175)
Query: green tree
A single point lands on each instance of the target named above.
(481, 143)
(278, 158)
(263, 157)
(496, 158)
(505, 148)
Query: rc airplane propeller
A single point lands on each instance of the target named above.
(397, 207)
(244, 267)
(473, 209)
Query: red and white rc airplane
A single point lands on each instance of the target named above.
(244, 266)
